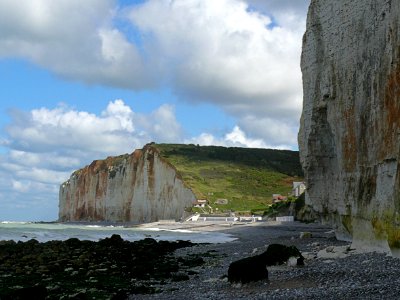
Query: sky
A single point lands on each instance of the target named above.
(83, 80)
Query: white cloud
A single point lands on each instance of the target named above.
(73, 38)
(161, 124)
(277, 132)
(242, 56)
(236, 58)
(236, 138)
(20, 186)
(62, 130)
(220, 52)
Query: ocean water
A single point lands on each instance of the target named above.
(24, 231)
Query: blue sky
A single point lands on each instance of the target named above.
(82, 80)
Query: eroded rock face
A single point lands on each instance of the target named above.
(141, 187)
(349, 135)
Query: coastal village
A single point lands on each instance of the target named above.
(205, 211)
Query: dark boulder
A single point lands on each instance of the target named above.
(248, 269)
(278, 254)
(113, 241)
(32, 293)
(254, 268)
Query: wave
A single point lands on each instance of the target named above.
(23, 231)
(166, 230)
(14, 222)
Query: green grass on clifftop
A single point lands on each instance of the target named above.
(246, 177)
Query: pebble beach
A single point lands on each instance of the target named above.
(332, 270)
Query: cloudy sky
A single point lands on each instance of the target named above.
(82, 80)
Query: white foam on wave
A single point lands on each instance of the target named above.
(166, 230)
(150, 229)
(23, 231)
(15, 222)
(179, 230)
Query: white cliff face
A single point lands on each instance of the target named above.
(350, 126)
(141, 187)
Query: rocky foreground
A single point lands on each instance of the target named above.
(117, 269)
(109, 269)
(332, 270)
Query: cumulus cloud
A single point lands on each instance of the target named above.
(242, 56)
(236, 138)
(221, 52)
(75, 39)
(249, 68)
(63, 130)
(162, 124)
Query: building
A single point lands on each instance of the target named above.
(200, 203)
(298, 188)
(222, 201)
(278, 198)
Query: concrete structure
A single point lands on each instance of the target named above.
(285, 219)
(298, 188)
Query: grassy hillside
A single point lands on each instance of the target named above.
(246, 177)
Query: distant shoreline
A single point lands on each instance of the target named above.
(95, 231)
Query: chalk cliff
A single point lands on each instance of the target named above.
(141, 187)
(350, 125)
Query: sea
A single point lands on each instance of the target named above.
(43, 232)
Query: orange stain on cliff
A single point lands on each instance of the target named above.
(88, 194)
(350, 141)
(392, 114)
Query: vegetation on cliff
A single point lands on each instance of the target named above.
(245, 177)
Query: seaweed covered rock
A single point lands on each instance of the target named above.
(35, 293)
(254, 268)
(76, 269)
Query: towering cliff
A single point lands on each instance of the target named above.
(350, 126)
(141, 187)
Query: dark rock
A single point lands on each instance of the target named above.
(248, 269)
(179, 276)
(142, 289)
(32, 242)
(278, 254)
(73, 242)
(192, 261)
(120, 295)
(114, 240)
(11, 242)
(30, 293)
(254, 268)
(104, 268)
